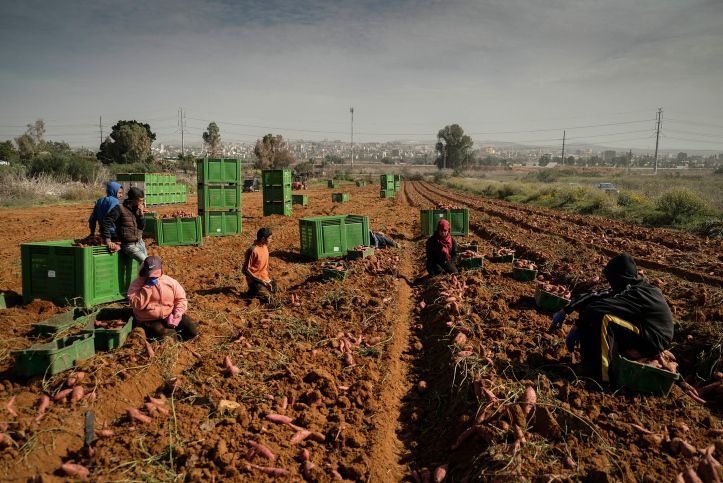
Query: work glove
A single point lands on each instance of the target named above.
(557, 321)
(173, 320)
(151, 281)
(572, 339)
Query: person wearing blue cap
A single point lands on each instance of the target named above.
(113, 193)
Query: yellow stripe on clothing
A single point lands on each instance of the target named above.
(605, 348)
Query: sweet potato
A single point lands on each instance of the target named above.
(149, 350)
(43, 404)
(105, 433)
(688, 476)
(304, 455)
(77, 394)
(62, 395)
(299, 436)
(422, 386)
(278, 418)
(136, 415)
(73, 469)
(440, 473)
(318, 437)
(9, 406)
(158, 401)
(307, 469)
(710, 469)
(262, 450)
(275, 472)
(231, 369)
(460, 339)
(284, 403)
(529, 399)
(348, 359)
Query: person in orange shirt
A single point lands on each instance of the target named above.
(159, 303)
(256, 267)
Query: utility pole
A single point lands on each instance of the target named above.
(100, 125)
(657, 138)
(630, 159)
(181, 125)
(562, 159)
(351, 110)
(444, 157)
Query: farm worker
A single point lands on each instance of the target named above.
(631, 317)
(127, 217)
(256, 267)
(104, 205)
(159, 303)
(441, 251)
(380, 240)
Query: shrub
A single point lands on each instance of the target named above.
(65, 167)
(630, 198)
(681, 203)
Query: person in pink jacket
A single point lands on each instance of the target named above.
(159, 303)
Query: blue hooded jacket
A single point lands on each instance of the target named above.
(104, 205)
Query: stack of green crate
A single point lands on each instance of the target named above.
(458, 220)
(219, 195)
(332, 236)
(160, 188)
(276, 186)
(388, 186)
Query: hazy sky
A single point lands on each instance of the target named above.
(496, 67)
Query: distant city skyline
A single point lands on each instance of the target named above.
(516, 72)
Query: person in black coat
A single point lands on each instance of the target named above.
(441, 251)
(631, 317)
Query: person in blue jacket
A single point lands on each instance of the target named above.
(104, 205)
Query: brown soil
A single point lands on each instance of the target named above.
(370, 419)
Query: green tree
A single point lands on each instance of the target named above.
(453, 147)
(26, 147)
(36, 131)
(212, 139)
(186, 162)
(544, 160)
(128, 142)
(272, 152)
(8, 152)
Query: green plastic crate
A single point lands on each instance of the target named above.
(277, 193)
(302, 200)
(387, 181)
(523, 274)
(340, 197)
(359, 254)
(109, 339)
(641, 377)
(149, 229)
(548, 301)
(473, 263)
(387, 194)
(219, 197)
(332, 183)
(332, 236)
(429, 220)
(220, 223)
(276, 177)
(277, 208)
(502, 258)
(54, 357)
(329, 271)
(62, 322)
(360, 183)
(473, 247)
(64, 274)
(179, 231)
(218, 170)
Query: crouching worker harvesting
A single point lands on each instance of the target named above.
(256, 267)
(159, 303)
(441, 251)
(631, 317)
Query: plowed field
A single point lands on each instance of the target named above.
(381, 378)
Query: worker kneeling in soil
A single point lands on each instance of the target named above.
(104, 206)
(441, 251)
(631, 317)
(159, 303)
(380, 241)
(129, 222)
(256, 267)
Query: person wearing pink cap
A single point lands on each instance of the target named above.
(159, 303)
(441, 251)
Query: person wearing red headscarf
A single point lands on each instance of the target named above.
(441, 251)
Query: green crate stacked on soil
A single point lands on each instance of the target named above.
(397, 182)
(159, 188)
(334, 270)
(302, 200)
(357, 253)
(361, 183)
(218, 171)
(387, 194)
(276, 187)
(332, 183)
(219, 196)
(54, 357)
(471, 263)
(332, 236)
(340, 197)
(220, 223)
(387, 182)
(82, 276)
(549, 301)
(63, 322)
(111, 327)
(641, 377)
(430, 219)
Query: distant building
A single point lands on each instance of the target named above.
(608, 156)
